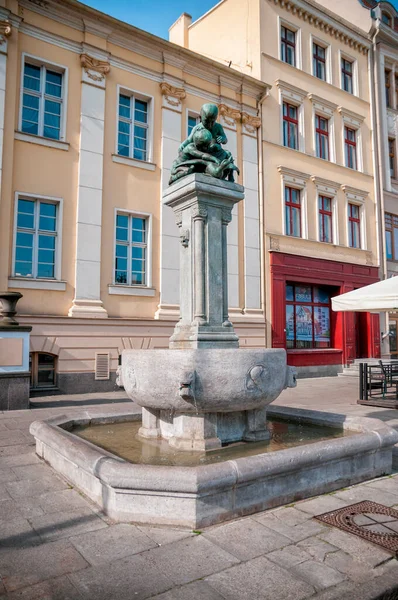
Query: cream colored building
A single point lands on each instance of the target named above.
(92, 112)
(319, 214)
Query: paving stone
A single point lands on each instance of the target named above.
(58, 525)
(31, 472)
(389, 484)
(9, 510)
(112, 543)
(199, 590)
(17, 533)
(129, 578)
(52, 502)
(27, 488)
(189, 559)
(21, 568)
(17, 450)
(365, 492)
(13, 424)
(7, 475)
(162, 536)
(12, 438)
(352, 567)
(289, 556)
(296, 533)
(317, 548)
(323, 504)
(259, 579)
(317, 574)
(4, 495)
(18, 460)
(246, 539)
(290, 516)
(53, 589)
(355, 546)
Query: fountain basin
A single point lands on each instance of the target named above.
(200, 496)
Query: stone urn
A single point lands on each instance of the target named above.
(8, 302)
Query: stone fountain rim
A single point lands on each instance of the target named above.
(372, 435)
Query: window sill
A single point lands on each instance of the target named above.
(130, 290)
(41, 141)
(132, 162)
(36, 284)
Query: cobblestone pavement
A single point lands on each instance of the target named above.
(56, 545)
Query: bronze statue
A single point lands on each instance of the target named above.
(202, 151)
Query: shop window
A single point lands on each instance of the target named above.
(347, 82)
(322, 137)
(131, 252)
(290, 126)
(387, 85)
(350, 147)
(354, 226)
(319, 61)
(36, 239)
(193, 120)
(307, 316)
(42, 368)
(133, 127)
(325, 219)
(391, 228)
(391, 157)
(42, 100)
(292, 212)
(288, 46)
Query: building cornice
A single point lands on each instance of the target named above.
(324, 20)
(286, 87)
(354, 193)
(287, 172)
(350, 117)
(325, 184)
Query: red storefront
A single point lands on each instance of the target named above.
(302, 319)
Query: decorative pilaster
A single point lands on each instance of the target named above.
(171, 138)
(203, 207)
(252, 245)
(87, 302)
(5, 33)
(229, 118)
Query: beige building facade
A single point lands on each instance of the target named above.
(92, 112)
(320, 220)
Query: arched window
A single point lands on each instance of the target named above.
(42, 370)
(386, 18)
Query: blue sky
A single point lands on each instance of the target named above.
(156, 16)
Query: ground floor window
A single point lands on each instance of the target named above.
(307, 316)
(42, 368)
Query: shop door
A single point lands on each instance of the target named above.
(361, 335)
(393, 338)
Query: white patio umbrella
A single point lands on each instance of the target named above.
(377, 297)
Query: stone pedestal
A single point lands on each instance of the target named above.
(14, 356)
(203, 206)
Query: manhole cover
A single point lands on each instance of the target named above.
(373, 522)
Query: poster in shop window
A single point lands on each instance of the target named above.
(304, 323)
(322, 324)
(289, 322)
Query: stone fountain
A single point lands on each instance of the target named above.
(204, 392)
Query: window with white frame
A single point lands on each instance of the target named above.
(131, 251)
(293, 216)
(347, 75)
(42, 99)
(319, 56)
(192, 121)
(288, 45)
(133, 127)
(350, 148)
(322, 137)
(292, 115)
(354, 225)
(35, 254)
(325, 218)
(294, 202)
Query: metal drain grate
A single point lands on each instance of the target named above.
(368, 520)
